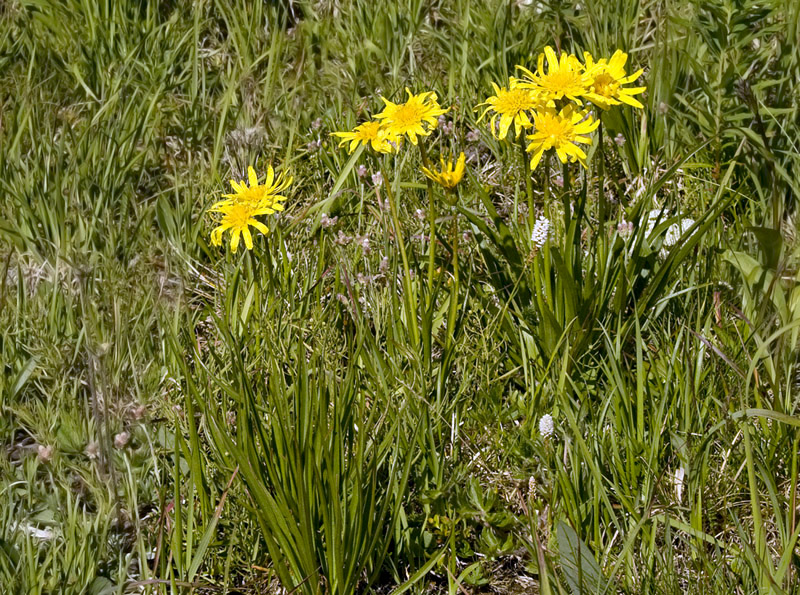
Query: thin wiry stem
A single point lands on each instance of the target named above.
(431, 219)
(526, 168)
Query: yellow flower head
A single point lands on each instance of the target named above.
(240, 209)
(237, 217)
(608, 76)
(449, 176)
(416, 117)
(369, 133)
(561, 131)
(265, 195)
(564, 77)
(510, 105)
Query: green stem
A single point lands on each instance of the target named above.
(409, 298)
(793, 487)
(601, 195)
(546, 179)
(759, 536)
(526, 168)
(451, 317)
(431, 220)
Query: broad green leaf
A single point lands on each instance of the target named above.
(581, 570)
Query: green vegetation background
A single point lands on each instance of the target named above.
(174, 418)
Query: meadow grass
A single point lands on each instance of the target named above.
(359, 403)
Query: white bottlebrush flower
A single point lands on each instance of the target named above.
(678, 482)
(546, 425)
(676, 231)
(653, 217)
(541, 231)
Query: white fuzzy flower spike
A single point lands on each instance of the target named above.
(546, 425)
(541, 232)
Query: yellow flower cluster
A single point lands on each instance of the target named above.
(418, 116)
(450, 175)
(550, 101)
(239, 210)
(547, 106)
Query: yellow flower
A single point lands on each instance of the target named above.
(560, 131)
(369, 133)
(564, 77)
(416, 117)
(450, 175)
(510, 105)
(238, 217)
(608, 76)
(259, 196)
(240, 209)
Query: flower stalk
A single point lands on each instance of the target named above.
(601, 166)
(409, 294)
(526, 169)
(431, 219)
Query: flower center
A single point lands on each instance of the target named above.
(253, 194)
(557, 130)
(368, 131)
(407, 116)
(238, 217)
(562, 81)
(604, 84)
(513, 101)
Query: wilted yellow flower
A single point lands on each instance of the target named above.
(564, 77)
(608, 76)
(238, 217)
(510, 105)
(450, 175)
(258, 195)
(416, 117)
(369, 133)
(561, 131)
